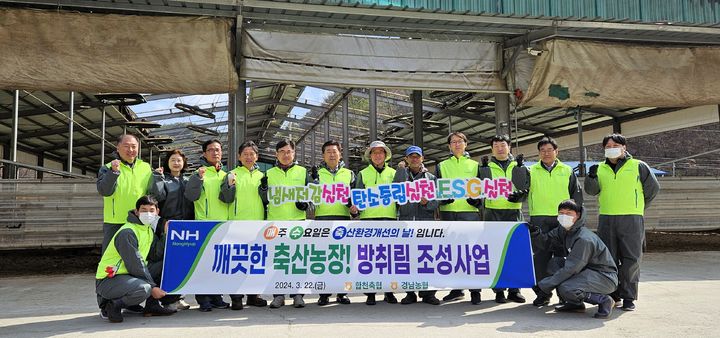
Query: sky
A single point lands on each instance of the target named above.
(310, 95)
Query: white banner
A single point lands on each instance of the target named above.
(284, 257)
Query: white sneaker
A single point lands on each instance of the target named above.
(182, 305)
(298, 301)
(277, 302)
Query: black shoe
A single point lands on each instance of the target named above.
(324, 300)
(219, 304)
(500, 297)
(254, 300)
(454, 295)
(205, 307)
(237, 305)
(475, 297)
(628, 305)
(343, 299)
(516, 297)
(605, 304)
(541, 301)
(390, 298)
(568, 307)
(370, 300)
(432, 300)
(153, 308)
(135, 309)
(409, 299)
(113, 309)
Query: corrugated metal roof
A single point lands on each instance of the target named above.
(689, 11)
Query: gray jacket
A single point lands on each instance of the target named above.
(584, 249)
(650, 184)
(170, 192)
(126, 244)
(107, 179)
(194, 185)
(415, 211)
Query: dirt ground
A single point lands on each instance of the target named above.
(84, 260)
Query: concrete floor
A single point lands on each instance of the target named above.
(678, 297)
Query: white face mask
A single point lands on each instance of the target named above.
(566, 221)
(613, 152)
(149, 218)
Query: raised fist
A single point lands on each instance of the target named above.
(201, 172)
(593, 171)
(115, 165)
(314, 173)
(485, 160)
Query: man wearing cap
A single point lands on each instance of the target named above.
(551, 182)
(459, 165)
(504, 165)
(625, 187)
(418, 211)
(378, 172)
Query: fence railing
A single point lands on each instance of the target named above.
(57, 213)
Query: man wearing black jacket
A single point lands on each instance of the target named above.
(587, 274)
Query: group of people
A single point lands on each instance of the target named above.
(138, 202)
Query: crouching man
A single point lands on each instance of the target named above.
(123, 277)
(587, 274)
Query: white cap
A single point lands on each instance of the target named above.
(378, 144)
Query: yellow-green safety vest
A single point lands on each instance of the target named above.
(621, 193)
(131, 185)
(371, 177)
(295, 176)
(247, 205)
(343, 175)
(462, 167)
(548, 188)
(209, 206)
(111, 258)
(502, 202)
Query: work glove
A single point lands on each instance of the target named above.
(517, 196)
(314, 173)
(476, 202)
(532, 227)
(264, 183)
(446, 202)
(301, 205)
(592, 172)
